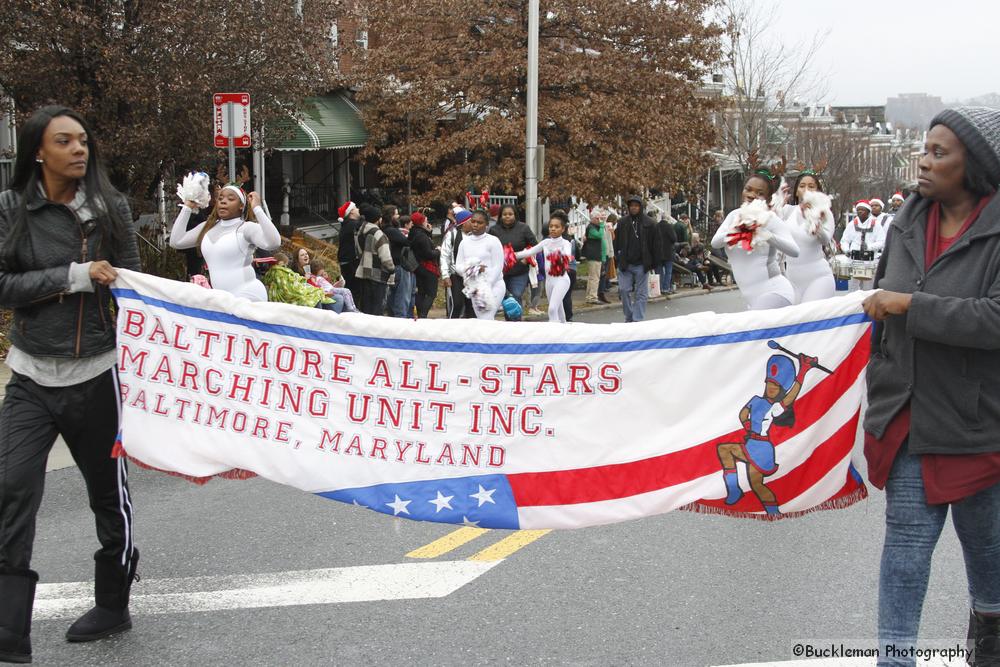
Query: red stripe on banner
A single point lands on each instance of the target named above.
(621, 480)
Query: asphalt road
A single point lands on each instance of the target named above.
(678, 589)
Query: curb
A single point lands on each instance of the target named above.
(592, 307)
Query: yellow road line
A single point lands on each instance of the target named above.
(509, 545)
(449, 542)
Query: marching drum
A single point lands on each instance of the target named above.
(842, 267)
(863, 270)
(863, 255)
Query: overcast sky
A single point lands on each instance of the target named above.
(880, 48)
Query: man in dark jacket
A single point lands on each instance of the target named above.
(637, 252)
(518, 236)
(347, 253)
(668, 237)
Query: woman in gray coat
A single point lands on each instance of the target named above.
(933, 423)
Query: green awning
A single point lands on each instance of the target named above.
(324, 123)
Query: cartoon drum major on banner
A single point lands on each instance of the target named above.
(781, 387)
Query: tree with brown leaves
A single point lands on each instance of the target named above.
(444, 91)
(143, 73)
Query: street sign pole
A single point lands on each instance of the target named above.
(231, 135)
(531, 143)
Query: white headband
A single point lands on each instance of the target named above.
(238, 191)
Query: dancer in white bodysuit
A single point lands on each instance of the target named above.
(484, 250)
(810, 272)
(760, 289)
(556, 278)
(227, 240)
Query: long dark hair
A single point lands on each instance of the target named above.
(798, 179)
(101, 195)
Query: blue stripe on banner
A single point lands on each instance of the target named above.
(495, 348)
(483, 500)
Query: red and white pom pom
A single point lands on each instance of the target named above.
(557, 263)
(477, 286)
(749, 229)
(195, 187)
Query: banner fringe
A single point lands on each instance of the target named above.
(118, 452)
(841, 502)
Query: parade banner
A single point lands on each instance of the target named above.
(495, 424)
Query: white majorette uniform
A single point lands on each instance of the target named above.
(556, 286)
(487, 251)
(810, 272)
(759, 288)
(228, 250)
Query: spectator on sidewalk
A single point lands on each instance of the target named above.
(637, 252)
(682, 228)
(457, 305)
(284, 285)
(322, 279)
(375, 264)
(428, 263)
(514, 233)
(595, 253)
(668, 238)
(401, 290)
(347, 247)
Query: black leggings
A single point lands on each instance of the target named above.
(427, 287)
(86, 415)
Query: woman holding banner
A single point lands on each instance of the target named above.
(63, 228)
(228, 238)
(934, 398)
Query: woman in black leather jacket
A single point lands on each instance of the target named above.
(63, 229)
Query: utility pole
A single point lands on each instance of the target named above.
(531, 143)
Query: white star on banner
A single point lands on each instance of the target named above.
(466, 522)
(484, 496)
(441, 502)
(399, 505)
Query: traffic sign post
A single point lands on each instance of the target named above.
(232, 124)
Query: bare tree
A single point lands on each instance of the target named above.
(762, 72)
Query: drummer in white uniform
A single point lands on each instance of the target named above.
(859, 243)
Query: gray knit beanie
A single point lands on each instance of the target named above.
(979, 129)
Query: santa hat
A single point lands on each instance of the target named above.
(418, 218)
(898, 195)
(863, 204)
(346, 209)
(876, 200)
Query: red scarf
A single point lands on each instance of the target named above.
(937, 244)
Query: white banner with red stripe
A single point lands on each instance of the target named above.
(495, 424)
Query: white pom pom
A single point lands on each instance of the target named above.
(195, 188)
(817, 208)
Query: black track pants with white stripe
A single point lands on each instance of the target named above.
(86, 415)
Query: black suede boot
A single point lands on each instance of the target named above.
(17, 591)
(112, 584)
(984, 640)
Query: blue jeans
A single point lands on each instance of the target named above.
(516, 285)
(401, 300)
(666, 275)
(912, 528)
(633, 289)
